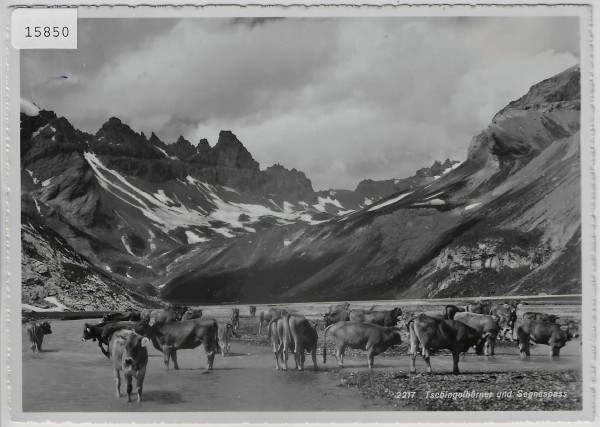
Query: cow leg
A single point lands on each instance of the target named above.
(33, 346)
(39, 346)
(166, 355)
(284, 356)
(174, 357)
(487, 346)
(426, 356)
(413, 357)
(455, 358)
(139, 382)
(524, 347)
(340, 355)
(276, 355)
(117, 381)
(228, 348)
(313, 353)
(300, 359)
(370, 357)
(129, 380)
(554, 351)
(210, 358)
(492, 346)
(104, 352)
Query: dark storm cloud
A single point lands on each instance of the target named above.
(340, 99)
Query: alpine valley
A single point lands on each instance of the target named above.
(119, 219)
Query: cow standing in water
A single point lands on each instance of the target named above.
(36, 332)
(556, 336)
(430, 334)
(168, 337)
(252, 311)
(130, 355)
(226, 333)
(293, 332)
(375, 339)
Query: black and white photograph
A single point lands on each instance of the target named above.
(289, 211)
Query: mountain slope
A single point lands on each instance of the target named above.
(507, 220)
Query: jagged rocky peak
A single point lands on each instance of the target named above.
(203, 145)
(437, 168)
(230, 152)
(155, 140)
(183, 149)
(279, 180)
(117, 132)
(560, 91)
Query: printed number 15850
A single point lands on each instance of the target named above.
(47, 32)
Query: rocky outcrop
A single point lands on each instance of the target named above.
(50, 267)
(290, 184)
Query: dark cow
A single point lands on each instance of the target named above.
(507, 316)
(272, 313)
(133, 316)
(36, 332)
(252, 311)
(431, 333)
(168, 337)
(145, 313)
(235, 318)
(192, 314)
(450, 310)
(551, 334)
(479, 308)
(130, 355)
(540, 317)
(102, 332)
(386, 318)
(334, 308)
(225, 333)
(373, 338)
(338, 316)
(486, 325)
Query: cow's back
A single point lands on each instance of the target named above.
(302, 330)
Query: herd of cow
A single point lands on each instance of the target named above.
(457, 329)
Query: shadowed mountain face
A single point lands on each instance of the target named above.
(205, 224)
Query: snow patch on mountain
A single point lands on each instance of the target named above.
(29, 108)
(389, 202)
(194, 238)
(322, 201)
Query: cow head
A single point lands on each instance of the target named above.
(565, 332)
(135, 352)
(87, 333)
(143, 326)
(326, 318)
(345, 306)
(46, 328)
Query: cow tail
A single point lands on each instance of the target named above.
(325, 344)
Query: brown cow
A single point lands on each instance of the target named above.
(276, 331)
(225, 333)
(36, 332)
(130, 355)
(235, 318)
(387, 318)
(300, 336)
(478, 308)
(373, 338)
(192, 314)
(551, 334)
(272, 313)
(486, 325)
(102, 332)
(541, 317)
(507, 316)
(431, 333)
(338, 316)
(334, 308)
(450, 310)
(169, 337)
(252, 311)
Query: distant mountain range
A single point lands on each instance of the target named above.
(200, 224)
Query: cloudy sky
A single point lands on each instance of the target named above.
(340, 99)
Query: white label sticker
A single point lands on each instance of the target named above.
(44, 28)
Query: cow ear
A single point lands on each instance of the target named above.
(87, 329)
(145, 341)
